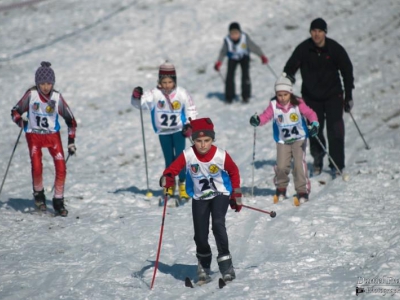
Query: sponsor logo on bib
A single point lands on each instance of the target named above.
(176, 105)
(161, 104)
(213, 169)
(294, 117)
(194, 168)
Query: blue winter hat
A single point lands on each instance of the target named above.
(45, 74)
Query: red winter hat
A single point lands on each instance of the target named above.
(202, 127)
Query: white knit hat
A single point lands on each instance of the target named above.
(283, 84)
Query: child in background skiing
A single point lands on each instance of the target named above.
(237, 46)
(290, 134)
(170, 107)
(213, 182)
(44, 105)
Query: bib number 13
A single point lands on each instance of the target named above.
(42, 122)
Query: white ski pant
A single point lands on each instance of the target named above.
(284, 155)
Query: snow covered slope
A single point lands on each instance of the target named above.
(107, 246)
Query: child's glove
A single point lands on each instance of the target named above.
(71, 146)
(187, 130)
(167, 180)
(348, 105)
(314, 129)
(255, 120)
(21, 121)
(217, 66)
(137, 92)
(264, 60)
(236, 200)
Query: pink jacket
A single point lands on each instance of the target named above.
(305, 110)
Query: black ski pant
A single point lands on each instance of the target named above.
(230, 78)
(201, 211)
(329, 111)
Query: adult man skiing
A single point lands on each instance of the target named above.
(320, 59)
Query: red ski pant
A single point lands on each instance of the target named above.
(52, 142)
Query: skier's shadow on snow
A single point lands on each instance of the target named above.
(257, 191)
(18, 204)
(178, 271)
(220, 96)
(258, 164)
(135, 190)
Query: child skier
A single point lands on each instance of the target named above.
(213, 181)
(170, 107)
(44, 105)
(290, 133)
(237, 46)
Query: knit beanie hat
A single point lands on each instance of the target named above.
(283, 84)
(202, 127)
(45, 74)
(167, 70)
(319, 23)
(234, 26)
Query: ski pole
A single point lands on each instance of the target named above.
(52, 189)
(148, 194)
(271, 213)
(9, 162)
(272, 71)
(254, 158)
(222, 77)
(160, 241)
(366, 145)
(344, 177)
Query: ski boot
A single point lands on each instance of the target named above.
(58, 205)
(317, 166)
(40, 200)
(300, 198)
(335, 173)
(226, 267)
(203, 268)
(203, 274)
(170, 193)
(183, 196)
(280, 194)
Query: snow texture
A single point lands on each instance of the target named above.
(106, 248)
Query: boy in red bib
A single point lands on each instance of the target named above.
(213, 182)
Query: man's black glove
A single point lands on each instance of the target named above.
(348, 105)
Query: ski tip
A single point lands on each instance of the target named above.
(221, 283)
(188, 282)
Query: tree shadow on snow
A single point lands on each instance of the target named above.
(135, 190)
(178, 271)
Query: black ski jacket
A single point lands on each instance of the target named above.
(320, 69)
